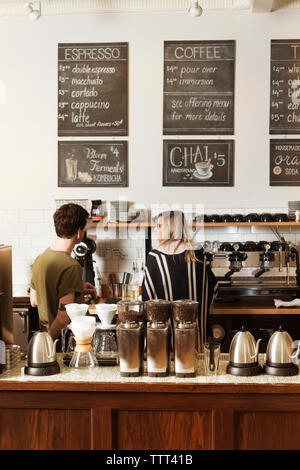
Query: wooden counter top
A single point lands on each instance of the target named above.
(108, 379)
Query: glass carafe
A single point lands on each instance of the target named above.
(83, 329)
(106, 350)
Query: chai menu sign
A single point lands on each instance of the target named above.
(92, 163)
(284, 162)
(198, 87)
(198, 162)
(93, 89)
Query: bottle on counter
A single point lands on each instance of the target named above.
(141, 278)
(134, 283)
(98, 282)
(104, 288)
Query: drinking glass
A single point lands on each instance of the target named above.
(211, 358)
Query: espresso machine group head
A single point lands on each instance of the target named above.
(263, 268)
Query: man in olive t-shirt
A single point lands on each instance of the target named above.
(57, 277)
(55, 273)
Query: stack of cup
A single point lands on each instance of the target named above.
(12, 356)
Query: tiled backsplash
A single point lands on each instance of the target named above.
(31, 231)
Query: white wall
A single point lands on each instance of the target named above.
(28, 118)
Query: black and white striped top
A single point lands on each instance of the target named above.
(170, 277)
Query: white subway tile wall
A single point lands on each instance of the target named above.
(31, 231)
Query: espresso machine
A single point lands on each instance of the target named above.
(250, 276)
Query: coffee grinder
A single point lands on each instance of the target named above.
(130, 334)
(158, 337)
(184, 316)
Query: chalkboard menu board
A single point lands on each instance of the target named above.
(198, 87)
(284, 162)
(92, 89)
(198, 162)
(285, 87)
(92, 163)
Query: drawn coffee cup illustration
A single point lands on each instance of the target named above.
(204, 168)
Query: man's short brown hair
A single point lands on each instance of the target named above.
(68, 219)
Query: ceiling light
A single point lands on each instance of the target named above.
(33, 10)
(195, 9)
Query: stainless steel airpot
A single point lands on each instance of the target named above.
(243, 354)
(281, 359)
(42, 355)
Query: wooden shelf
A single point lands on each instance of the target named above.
(249, 305)
(122, 224)
(201, 224)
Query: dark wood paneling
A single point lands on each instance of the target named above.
(150, 430)
(36, 429)
(267, 430)
(158, 416)
(103, 430)
(223, 428)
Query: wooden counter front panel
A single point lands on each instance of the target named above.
(267, 430)
(216, 418)
(48, 429)
(150, 430)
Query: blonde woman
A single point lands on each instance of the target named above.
(177, 270)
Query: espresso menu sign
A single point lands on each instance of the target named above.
(92, 163)
(285, 162)
(92, 89)
(198, 87)
(198, 163)
(285, 87)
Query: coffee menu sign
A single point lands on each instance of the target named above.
(92, 163)
(198, 87)
(285, 87)
(93, 89)
(285, 162)
(198, 162)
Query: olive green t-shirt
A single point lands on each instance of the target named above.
(55, 274)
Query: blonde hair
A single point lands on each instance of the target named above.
(175, 230)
